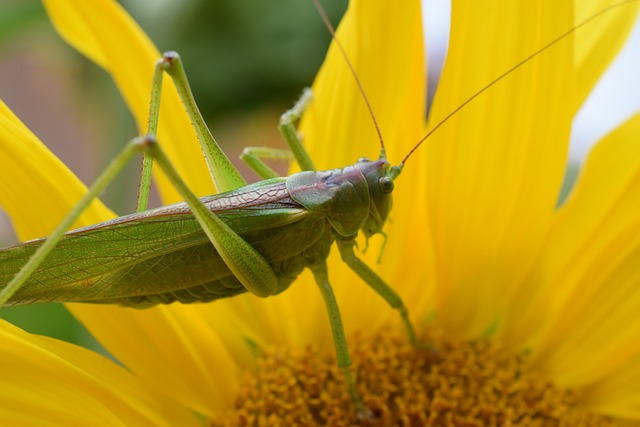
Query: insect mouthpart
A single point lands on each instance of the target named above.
(380, 183)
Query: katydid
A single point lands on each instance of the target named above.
(255, 238)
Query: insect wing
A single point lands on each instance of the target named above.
(143, 253)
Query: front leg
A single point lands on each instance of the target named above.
(376, 283)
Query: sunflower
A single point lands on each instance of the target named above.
(532, 308)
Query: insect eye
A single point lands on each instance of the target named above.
(385, 184)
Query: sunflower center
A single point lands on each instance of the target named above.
(461, 384)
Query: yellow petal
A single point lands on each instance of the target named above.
(103, 31)
(600, 40)
(38, 190)
(172, 349)
(384, 43)
(53, 383)
(588, 278)
(617, 395)
(496, 167)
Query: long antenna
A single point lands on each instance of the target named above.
(327, 23)
(510, 70)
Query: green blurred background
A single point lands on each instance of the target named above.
(247, 62)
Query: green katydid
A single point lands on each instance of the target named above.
(246, 238)
(254, 229)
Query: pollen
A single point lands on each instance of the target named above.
(447, 383)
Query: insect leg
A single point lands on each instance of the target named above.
(94, 191)
(290, 133)
(253, 156)
(376, 283)
(340, 342)
(225, 176)
(152, 129)
(246, 263)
